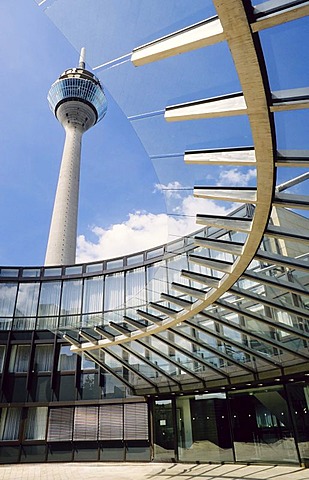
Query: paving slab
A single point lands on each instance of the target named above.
(149, 471)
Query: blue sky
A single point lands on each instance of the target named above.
(124, 164)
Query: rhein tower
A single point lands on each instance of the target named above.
(77, 100)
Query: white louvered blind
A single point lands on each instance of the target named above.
(111, 422)
(136, 421)
(86, 423)
(60, 425)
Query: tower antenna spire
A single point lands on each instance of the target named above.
(82, 58)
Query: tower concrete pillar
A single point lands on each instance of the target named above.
(61, 246)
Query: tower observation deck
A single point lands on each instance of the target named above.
(78, 101)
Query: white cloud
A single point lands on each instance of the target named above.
(144, 230)
(171, 190)
(235, 177)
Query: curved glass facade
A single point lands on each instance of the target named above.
(78, 88)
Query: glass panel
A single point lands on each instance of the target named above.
(87, 364)
(93, 295)
(97, 267)
(49, 299)
(2, 355)
(89, 388)
(36, 423)
(156, 281)
(164, 433)
(67, 359)
(76, 270)
(31, 272)
(9, 272)
(262, 426)
(299, 395)
(9, 423)
(203, 431)
(52, 272)
(135, 287)
(114, 291)
(286, 54)
(27, 299)
(19, 359)
(71, 297)
(43, 360)
(7, 299)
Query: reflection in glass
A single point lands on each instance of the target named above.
(114, 291)
(7, 299)
(49, 299)
(43, 359)
(19, 359)
(299, 396)
(262, 426)
(93, 295)
(27, 299)
(2, 355)
(135, 287)
(164, 432)
(9, 423)
(203, 429)
(67, 359)
(36, 423)
(71, 297)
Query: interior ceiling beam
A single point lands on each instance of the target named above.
(230, 341)
(213, 350)
(276, 259)
(285, 234)
(260, 337)
(277, 325)
(275, 282)
(269, 302)
(152, 365)
(194, 357)
(160, 354)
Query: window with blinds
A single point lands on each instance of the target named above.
(86, 423)
(135, 421)
(60, 425)
(111, 422)
(104, 422)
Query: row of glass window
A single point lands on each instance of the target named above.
(43, 359)
(80, 88)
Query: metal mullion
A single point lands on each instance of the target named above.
(266, 320)
(273, 343)
(212, 349)
(193, 357)
(132, 369)
(148, 362)
(241, 347)
(170, 360)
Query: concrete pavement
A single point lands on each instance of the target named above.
(149, 471)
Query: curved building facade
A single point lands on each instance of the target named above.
(196, 350)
